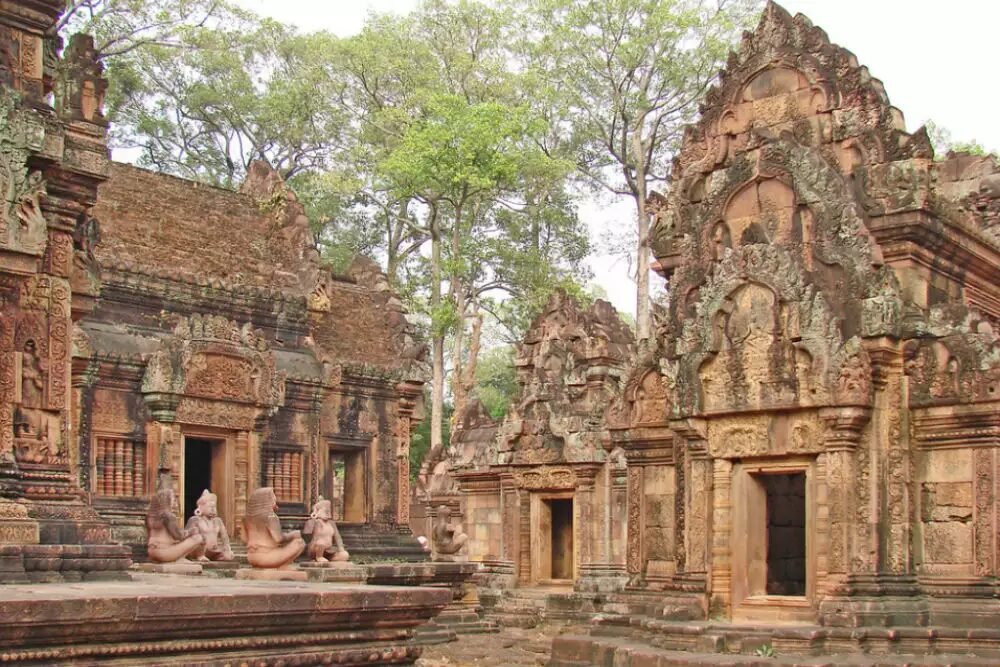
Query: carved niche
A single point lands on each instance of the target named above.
(212, 366)
(748, 370)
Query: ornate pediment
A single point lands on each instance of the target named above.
(212, 358)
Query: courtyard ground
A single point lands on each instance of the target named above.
(511, 647)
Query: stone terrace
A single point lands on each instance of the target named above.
(175, 620)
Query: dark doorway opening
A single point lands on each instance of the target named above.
(346, 485)
(786, 533)
(562, 538)
(197, 472)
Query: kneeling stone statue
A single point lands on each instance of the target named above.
(165, 541)
(267, 546)
(206, 522)
(325, 536)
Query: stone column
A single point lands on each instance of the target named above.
(721, 566)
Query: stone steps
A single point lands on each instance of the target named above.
(600, 651)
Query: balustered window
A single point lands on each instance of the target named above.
(120, 467)
(283, 471)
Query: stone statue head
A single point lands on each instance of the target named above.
(163, 502)
(262, 503)
(322, 509)
(207, 505)
(444, 514)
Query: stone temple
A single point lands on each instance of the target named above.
(159, 338)
(802, 465)
(809, 442)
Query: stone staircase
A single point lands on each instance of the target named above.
(368, 545)
(527, 607)
(519, 608)
(641, 641)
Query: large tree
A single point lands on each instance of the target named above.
(631, 73)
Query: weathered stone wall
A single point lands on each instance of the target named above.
(176, 228)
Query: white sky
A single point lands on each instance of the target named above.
(935, 58)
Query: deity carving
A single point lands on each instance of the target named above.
(267, 546)
(165, 541)
(31, 430)
(325, 536)
(448, 539)
(207, 523)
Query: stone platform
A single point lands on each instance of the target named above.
(177, 620)
(462, 616)
(648, 642)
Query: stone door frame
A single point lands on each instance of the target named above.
(537, 537)
(749, 535)
(223, 470)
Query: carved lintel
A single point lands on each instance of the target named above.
(545, 477)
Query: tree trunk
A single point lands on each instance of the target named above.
(457, 294)
(437, 360)
(642, 309)
(463, 382)
(642, 325)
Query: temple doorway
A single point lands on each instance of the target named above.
(551, 539)
(203, 461)
(346, 485)
(562, 538)
(786, 533)
(773, 538)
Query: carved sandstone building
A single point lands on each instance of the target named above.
(222, 352)
(813, 434)
(542, 496)
(154, 327)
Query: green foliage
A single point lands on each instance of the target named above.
(420, 441)
(496, 380)
(943, 142)
(765, 651)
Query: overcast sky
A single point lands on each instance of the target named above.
(935, 58)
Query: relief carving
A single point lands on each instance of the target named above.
(22, 225)
(633, 557)
(546, 478)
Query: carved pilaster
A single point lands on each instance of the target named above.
(697, 493)
(893, 463)
(986, 530)
(721, 566)
(844, 429)
(635, 493)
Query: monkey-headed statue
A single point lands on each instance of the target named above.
(206, 522)
(165, 541)
(267, 546)
(325, 536)
(447, 539)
